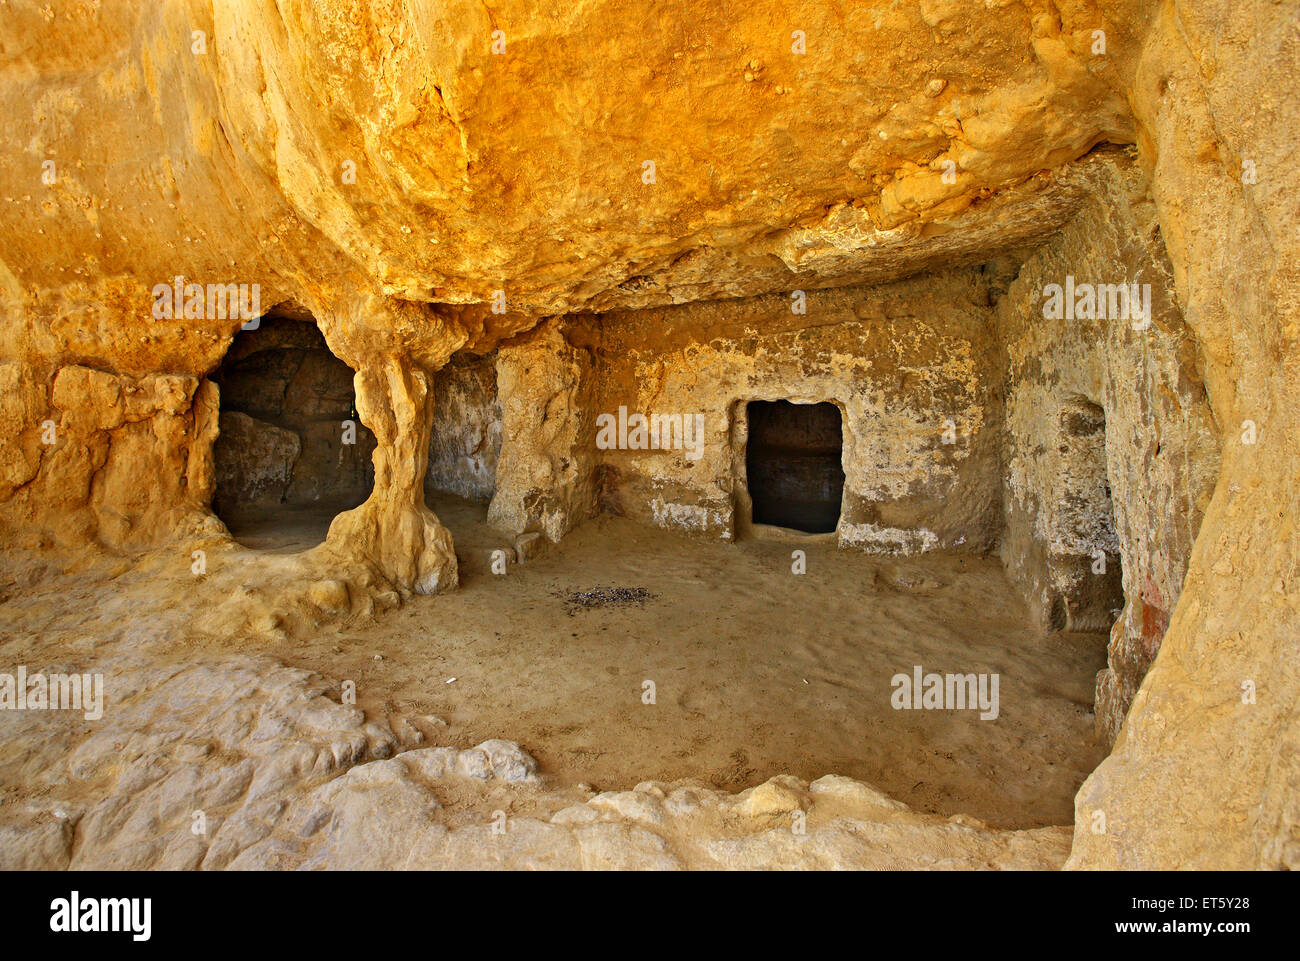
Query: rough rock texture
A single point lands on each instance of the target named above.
(545, 476)
(466, 436)
(254, 461)
(360, 178)
(1112, 449)
(416, 99)
(393, 526)
(280, 379)
(257, 765)
(382, 167)
(105, 458)
(234, 759)
(1203, 775)
(906, 364)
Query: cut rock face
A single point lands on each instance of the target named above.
(254, 460)
(466, 436)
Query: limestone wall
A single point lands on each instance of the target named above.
(911, 365)
(1206, 770)
(546, 475)
(94, 457)
(774, 171)
(466, 430)
(1142, 502)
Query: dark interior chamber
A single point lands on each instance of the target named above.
(793, 465)
(291, 448)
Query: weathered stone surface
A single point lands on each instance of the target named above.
(336, 463)
(466, 441)
(281, 374)
(904, 363)
(529, 546)
(1199, 777)
(428, 204)
(238, 761)
(329, 595)
(119, 458)
(393, 526)
(254, 460)
(545, 477)
(311, 785)
(1112, 448)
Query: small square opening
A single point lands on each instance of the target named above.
(793, 465)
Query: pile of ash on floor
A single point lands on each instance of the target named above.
(596, 597)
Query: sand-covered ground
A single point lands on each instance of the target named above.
(758, 673)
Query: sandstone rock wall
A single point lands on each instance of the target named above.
(466, 433)
(911, 365)
(774, 171)
(254, 463)
(1129, 483)
(352, 160)
(1204, 772)
(546, 475)
(290, 432)
(94, 457)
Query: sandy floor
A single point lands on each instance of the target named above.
(288, 530)
(757, 671)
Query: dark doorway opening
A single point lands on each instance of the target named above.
(1087, 587)
(793, 465)
(292, 452)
